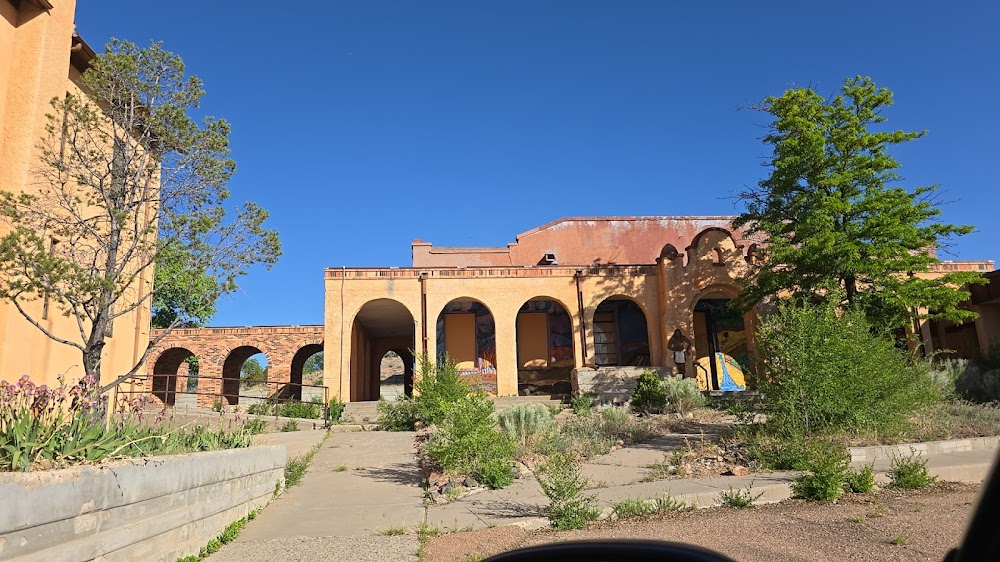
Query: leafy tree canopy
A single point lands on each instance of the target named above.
(126, 178)
(836, 219)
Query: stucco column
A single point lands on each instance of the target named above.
(506, 338)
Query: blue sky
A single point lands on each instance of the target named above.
(361, 125)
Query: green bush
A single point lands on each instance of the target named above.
(561, 481)
(467, 441)
(979, 380)
(826, 466)
(582, 404)
(635, 508)
(334, 410)
(312, 410)
(289, 425)
(648, 397)
(528, 425)
(827, 371)
(683, 395)
(596, 434)
(436, 388)
(396, 415)
(861, 481)
(909, 473)
(739, 499)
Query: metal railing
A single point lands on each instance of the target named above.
(228, 392)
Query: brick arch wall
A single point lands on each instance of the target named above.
(212, 346)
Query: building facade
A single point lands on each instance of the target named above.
(582, 291)
(42, 58)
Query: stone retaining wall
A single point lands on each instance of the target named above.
(610, 385)
(158, 508)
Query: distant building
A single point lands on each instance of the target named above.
(42, 58)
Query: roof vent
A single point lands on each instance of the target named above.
(548, 259)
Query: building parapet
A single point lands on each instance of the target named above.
(480, 272)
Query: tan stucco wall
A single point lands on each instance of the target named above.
(502, 291)
(34, 68)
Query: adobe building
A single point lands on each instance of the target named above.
(41, 58)
(577, 292)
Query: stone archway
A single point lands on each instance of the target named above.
(231, 369)
(170, 367)
(621, 333)
(382, 325)
(294, 388)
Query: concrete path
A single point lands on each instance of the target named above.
(358, 485)
(362, 484)
(621, 475)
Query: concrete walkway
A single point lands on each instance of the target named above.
(358, 485)
(362, 484)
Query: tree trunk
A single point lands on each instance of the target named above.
(851, 287)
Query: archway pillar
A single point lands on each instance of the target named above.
(506, 342)
(209, 380)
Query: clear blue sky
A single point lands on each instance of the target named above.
(363, 124)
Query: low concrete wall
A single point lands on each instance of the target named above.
(610, 385)
(159, 508)
(880, 452)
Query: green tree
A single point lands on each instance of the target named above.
(252, 373)
(833, 212)
(184, 297)
(314, 364)
(125, 177)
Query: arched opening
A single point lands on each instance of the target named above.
(396, 374)
(722, 353)
(621, 335)
(240, 374)
(171, 365)
(382, 325)
(669, 252)
(544, 348)
(307, 369)
(466, 333)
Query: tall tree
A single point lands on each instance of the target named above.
(834, 213)
(119, 165)
(184, 297)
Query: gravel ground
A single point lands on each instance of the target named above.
(929, 522)
(366, 548)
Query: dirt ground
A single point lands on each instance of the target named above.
(926, 523)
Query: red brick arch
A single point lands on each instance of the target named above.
(286, 349)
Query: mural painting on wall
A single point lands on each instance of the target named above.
(722, 365)
(560, 338)
(483, 367)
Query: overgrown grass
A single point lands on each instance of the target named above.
(312, 410)
(740, 499)
(629, 508)
(860, 481)
(825, 464)
(561, 481)
(582, 405)
(228, 535)
(596, 434)
(296, 468)
(42, 427)
(910, 472)
(527, 425)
